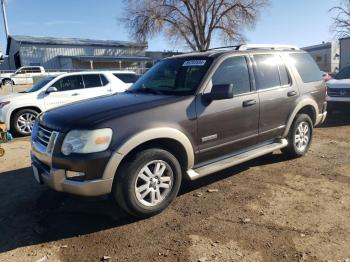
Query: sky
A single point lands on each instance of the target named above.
(297, 22)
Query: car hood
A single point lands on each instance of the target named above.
(6, 75)
(15, 96)
(339, 83)
(89, 113)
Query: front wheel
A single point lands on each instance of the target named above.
(22, 122)
(299, 137)
(147, 182)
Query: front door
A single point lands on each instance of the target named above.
(69, 89)
(228, 126)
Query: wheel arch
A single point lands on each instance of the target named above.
(7, 78)
(173, 140)
(306, 106)
(14, 111)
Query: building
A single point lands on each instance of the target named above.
(326, 55)
(344, 52)
(73, 53)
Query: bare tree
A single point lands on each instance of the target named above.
(341, 21)
(194, 21)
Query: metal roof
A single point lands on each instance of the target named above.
(72, 41)
(108, 58)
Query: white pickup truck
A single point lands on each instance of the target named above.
(24, 75)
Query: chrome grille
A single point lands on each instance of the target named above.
(43, 135)
(338, 92)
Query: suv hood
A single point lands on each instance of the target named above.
(15, 96)
(341, 83)
(89, 113)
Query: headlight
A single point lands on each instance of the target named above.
(86, 141)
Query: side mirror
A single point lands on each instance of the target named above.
(221, 92)
(51, 89)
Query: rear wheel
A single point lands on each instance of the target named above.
(22, 122)
(299, 137)
(147, 183)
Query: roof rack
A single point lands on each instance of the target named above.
(269, 47)
(244, 47)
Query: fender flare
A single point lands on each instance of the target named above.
(143, 137)
(10, 113)
(300, 105)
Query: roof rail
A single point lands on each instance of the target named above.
(269, 47)
(234, 47)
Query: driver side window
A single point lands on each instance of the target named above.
(69, 83)
(233, 70)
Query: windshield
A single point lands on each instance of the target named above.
(177, 76)
(344, 73)
(39, 85)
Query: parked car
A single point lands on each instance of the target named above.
(189, 116)
(18, 111)
(338, 90)
(24, 75)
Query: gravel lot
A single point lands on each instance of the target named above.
(270, 209)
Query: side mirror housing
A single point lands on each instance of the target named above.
(221, 92)
(51, 89)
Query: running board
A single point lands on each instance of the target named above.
(235, 160)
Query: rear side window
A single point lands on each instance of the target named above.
(234, 71)
(127, 78)
(267, 73)
(91, 81)
(306, 67)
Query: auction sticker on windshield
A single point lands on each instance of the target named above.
(194, 63)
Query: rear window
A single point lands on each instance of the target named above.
(306, 67)
(127, 78)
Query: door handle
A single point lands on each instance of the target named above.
(250, 102)
(75, 94)
(291, 93)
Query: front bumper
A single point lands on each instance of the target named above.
(50, 169)
(56, 179)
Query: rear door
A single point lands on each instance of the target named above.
(277, 93)
(231, 125)
(95, 85)
(69, 89)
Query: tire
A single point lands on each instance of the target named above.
(302, 127)
(134, 174)
(7, 82)
(22, 122)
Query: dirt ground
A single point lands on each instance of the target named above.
(269, 209)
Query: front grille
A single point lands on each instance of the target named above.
(339, 92)
(43, 135)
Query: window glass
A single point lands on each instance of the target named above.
(267, 74)
(69, 83)
(91, 81)
(104, 80)
(344, 73)
(284, 75)
(36, 70)
(306, 67)
(234, 71)
(127, 78)
(175, 76)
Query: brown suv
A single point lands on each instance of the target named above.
(187, 117)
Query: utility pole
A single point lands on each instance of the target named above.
(3, 4)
